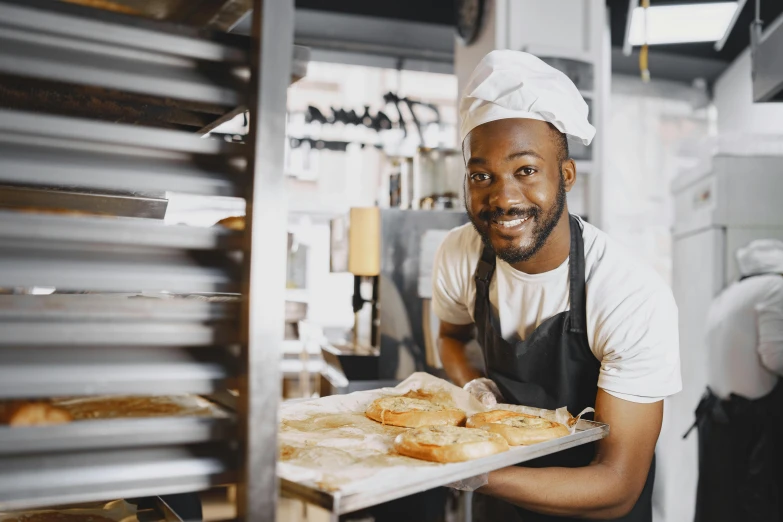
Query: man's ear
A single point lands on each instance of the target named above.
(568, 170)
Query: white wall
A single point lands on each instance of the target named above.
(645, 131)
(737, 113)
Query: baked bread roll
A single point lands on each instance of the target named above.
(232, 223)
(412, 413)
(23, 413)
(448, 443)
(519, 429)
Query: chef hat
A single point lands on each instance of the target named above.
(762, 256)
(513, 84)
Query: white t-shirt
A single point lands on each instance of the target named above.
(631, 314)
(745, 337)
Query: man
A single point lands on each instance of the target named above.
(740, 418)
(565, 316)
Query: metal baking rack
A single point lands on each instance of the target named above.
(106, 113)
(378, 491)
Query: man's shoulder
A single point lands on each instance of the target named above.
(615, 272)
(459, 253)
(462, 242)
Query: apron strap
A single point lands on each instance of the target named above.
(576, 280)
(483, 277)
(486, 266)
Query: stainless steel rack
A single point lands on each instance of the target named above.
(137, 96)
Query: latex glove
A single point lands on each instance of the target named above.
(485, 391)
(471, 483)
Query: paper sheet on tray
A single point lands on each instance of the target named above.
(122, 406)
(116, 511)
(329, 443)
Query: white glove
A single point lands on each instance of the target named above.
(471, 483)
(485, 391)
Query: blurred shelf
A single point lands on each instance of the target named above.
(28, 481)
(114, 433)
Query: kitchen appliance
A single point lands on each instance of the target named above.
(731, 198)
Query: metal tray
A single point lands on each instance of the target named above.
(376, 492)
(115, 433)
(44, 372)
(50, 479)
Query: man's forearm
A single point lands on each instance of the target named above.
(593, 492)
(455, 362)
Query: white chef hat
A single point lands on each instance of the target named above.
(513, 84)
(763, 256)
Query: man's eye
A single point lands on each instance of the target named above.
(527, 171)
(479, 176)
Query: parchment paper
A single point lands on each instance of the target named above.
(329, 443)
(112, 406)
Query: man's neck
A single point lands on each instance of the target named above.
(553, 253)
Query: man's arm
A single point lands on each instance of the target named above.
(452, 340)
(610, 486)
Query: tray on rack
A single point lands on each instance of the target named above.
(384, 488)
(114, 433)
(50, 479)
(186, 420)
(336, 458)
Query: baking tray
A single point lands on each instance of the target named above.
(114, 433)
(197, 421)
(50, 479)
(380, 491)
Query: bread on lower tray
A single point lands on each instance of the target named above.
(58, 411)
(27, 413)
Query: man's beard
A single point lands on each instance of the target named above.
(545, 223)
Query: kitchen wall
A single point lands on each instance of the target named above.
(647, 130)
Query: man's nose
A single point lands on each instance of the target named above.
(506, 193)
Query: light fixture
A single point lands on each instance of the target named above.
(681, 23)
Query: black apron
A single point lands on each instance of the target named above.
(740, 458)
(553, 367)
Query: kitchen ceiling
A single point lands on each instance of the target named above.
(363, 26)
(682, 62)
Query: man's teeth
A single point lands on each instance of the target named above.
(512, 223)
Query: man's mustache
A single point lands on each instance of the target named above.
(513, 212)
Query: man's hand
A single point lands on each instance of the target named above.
(607, 488)
(470, 483)
(485, 391)
(452, 340)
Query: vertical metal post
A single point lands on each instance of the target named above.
(263, 312)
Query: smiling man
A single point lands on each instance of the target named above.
(564, 316)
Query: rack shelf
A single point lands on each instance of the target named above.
(102, 115)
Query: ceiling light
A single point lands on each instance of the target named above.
(682, 23)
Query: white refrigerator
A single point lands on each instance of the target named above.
(734, 197)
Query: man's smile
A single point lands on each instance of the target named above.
(507, 225)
